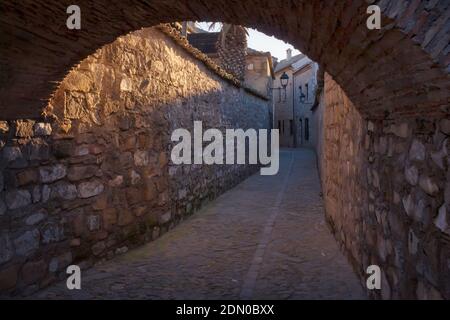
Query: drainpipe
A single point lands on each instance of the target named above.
(294, 122)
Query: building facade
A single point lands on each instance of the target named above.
(254, 68)
(293, 98)
(305, 79)
(259, 73)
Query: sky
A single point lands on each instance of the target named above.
(261, 42)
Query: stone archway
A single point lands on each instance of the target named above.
(401, 69)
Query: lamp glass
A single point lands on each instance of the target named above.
(284, 79)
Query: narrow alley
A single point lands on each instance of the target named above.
(253, 242)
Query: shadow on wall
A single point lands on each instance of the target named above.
(95, 179)
(386, 186)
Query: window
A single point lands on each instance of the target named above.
(250, 66)
(306, 129)
(307, 91)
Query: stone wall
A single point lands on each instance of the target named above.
(387, 194)
(94, 178)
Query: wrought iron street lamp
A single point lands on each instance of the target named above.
(284, 79)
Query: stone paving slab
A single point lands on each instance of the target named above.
(264, 239)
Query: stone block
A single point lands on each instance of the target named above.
(140, 211)
(428, 185)
(60, 262)
(81, 151)
(16, 199)
(101, 202)
(126, 159)
(90, 189)
(126, 84)
(75, 242)
(36, 218)
(413, 242)
(52, 232)
(79, 82)
(412, 175)
(80, 172)
(33, 271)
(128, 143)
(27, 176)
(8, 278)
(163, 160)
(36, 194)
(26, 243)
(39, 151)
(53, 265)
(401, 130)
(156, 232)
(4, 127)
(62, 149)
(124, 123)
(121, 250)
(94, 222)
(134, 177)
(24, 128)
(439, 156)
(441, 220)
(110, 217)
(447, 191)
(145, 141)
(444, 125)
(141, 158)
(52, 173)
(125, 217)
(46, 191)
(133, 195)
(150, 191)
(3, 208)
(98, 248)
(65, 191)
(12, 153)
(417, 151)
(6, 248)
(42, 129)
(164, 218)
(408, 205)
(95, 149)
(116, 182)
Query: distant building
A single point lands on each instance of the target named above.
(293, 99)
(253, 67)
(305, 78)
(229, 53)
(259, 72)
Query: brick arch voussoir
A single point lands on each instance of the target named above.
(401, 70)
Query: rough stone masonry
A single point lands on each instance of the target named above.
(386, 187)
(94, 179)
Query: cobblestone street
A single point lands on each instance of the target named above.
(264, 239)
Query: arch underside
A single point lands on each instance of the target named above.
(401, 70)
